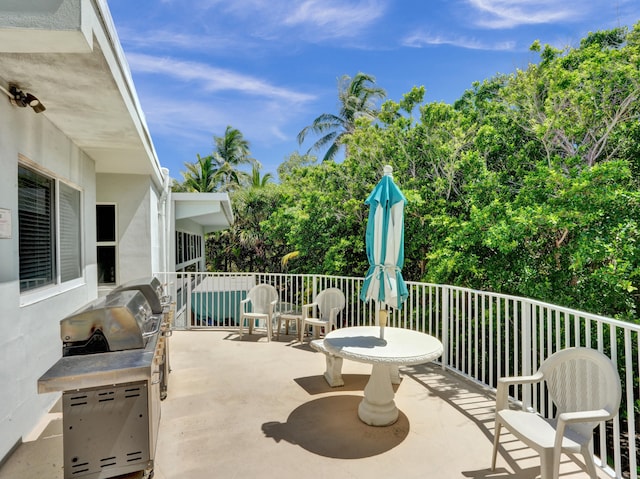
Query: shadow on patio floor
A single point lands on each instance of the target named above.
(328, 427)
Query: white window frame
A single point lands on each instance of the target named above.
(59, 184)
(187, 251)
(46, 291)
(113, 243)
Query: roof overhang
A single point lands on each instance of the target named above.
(211, 211)
(67, 54)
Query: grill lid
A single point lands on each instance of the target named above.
(150, 287)
(112, 323)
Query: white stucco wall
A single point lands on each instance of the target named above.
(29, 324)
(155, 238)
(67, 37)
(137, 212)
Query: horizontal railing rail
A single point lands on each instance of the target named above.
(485, 336)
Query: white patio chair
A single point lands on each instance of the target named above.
(323, 312)
(259, 305)
(585, 388)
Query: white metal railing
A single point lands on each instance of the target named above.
(486, 335)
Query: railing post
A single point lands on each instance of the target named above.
(631, 424)
(314, 287)
(526, 348)
(445, 325)
(187, 312)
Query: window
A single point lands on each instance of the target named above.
(35, 229)
(48, 253)
(187, 248)
(106, 239)
(179, 247)
(70, 260)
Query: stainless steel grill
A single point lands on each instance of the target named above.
(152, 290)
(113, 323)
(112, 375)
(160, 304)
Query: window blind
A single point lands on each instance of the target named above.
(35, 229)
(70, 250)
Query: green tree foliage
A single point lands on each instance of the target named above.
(246, 246)
(552, 210)
(323, 219)
(527, 185)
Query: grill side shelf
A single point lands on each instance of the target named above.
(71, 373)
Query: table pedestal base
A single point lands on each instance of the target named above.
(378, 407)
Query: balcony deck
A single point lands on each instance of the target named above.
(254, 409)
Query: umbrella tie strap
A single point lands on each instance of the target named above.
(381, 268)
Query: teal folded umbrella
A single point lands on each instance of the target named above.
(385, 244)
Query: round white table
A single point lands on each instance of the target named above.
(399, 347)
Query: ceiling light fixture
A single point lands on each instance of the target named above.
(34, 103)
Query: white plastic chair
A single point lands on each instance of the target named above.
(259, 304)
(323, 312)
(584, 386)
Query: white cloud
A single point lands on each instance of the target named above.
(171, 39)
(335, 18)
(511, 13)
(257, 25)
(419, 39)
(187, 103)
(212, 79)
(190, 121)
(187, 125)
(313, 20)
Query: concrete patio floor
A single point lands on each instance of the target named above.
(256, 409)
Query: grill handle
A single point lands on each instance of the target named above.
(144, 312)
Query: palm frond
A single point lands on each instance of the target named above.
(357, 97)
(285, 259)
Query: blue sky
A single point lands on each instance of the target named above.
(269, 67)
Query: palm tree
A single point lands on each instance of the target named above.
(232, 151)
(202, 176)
(219, 171)
(357, 97)
(258, 181)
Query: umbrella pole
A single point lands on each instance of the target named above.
(382, 320)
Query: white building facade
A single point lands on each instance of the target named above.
(84, 202)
